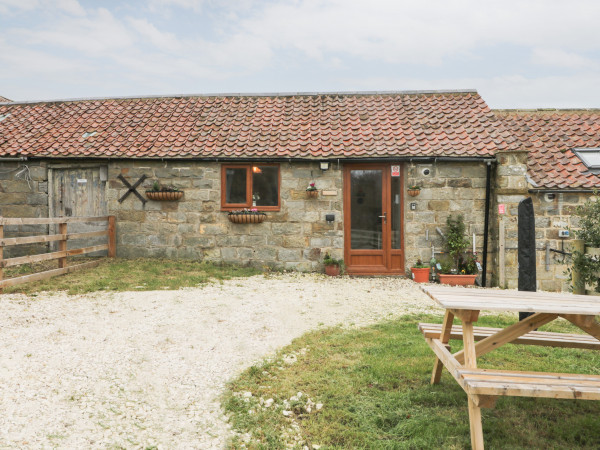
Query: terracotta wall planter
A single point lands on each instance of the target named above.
(420, 275)
(163, 196)
(414, 192)
(457, 280)
(247, 218)
(312, 194)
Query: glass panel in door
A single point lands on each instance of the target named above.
(366, 209)
(396, 213)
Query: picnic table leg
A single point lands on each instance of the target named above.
(475, 424)
(444, 338)
(586, 323)
(474, 410)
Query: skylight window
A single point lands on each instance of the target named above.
(89, 134)
(589, 156)
(3, 116)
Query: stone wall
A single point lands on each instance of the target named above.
(450, 188)
(195, 227)
(552, 213)
(297, 236)
(24, 193)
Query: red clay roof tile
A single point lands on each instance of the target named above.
(550, 137)
(307, 126)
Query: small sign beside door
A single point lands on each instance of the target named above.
(81, 181)
(395, 171)
(501, 209)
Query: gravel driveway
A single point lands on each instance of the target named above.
(139, 369)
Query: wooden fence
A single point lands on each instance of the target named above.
(62, 237)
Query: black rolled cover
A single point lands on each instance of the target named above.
(526, 256)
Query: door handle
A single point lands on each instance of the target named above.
(384, 217)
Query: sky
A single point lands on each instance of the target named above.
(515, 53)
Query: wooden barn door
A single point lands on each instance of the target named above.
(76, 192)
(373, 219)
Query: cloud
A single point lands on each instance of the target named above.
(97, 33)
(245, 45)
(422, 32)
(13, 6)
(561, 58)
(194, 5)
(161, 40)
(69, 6)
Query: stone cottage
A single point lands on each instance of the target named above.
(557, 165)
(228, 152)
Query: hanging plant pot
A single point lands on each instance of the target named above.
(414, 192)
(246, 218)
(312, 194)
(164, 196)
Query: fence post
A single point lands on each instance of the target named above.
(62, 245)
(577, 245)
(112, 237)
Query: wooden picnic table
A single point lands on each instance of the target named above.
(483, 386)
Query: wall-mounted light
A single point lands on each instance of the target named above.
(256, 169)
(324, 165)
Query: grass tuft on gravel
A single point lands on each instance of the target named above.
(373, 385)
(144, 274)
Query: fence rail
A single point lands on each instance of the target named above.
(61, 255)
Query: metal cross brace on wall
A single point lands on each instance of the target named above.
(132, 188)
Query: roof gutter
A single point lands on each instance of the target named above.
(562, 191)
(424, 159)
(13, 158)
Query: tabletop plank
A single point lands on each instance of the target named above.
(512, 300)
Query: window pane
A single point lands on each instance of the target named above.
(396, 213)
(365, 209)
(235, 185)
(265, 185)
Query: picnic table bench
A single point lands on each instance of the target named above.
(484, 386)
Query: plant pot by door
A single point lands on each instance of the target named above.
(333, 270)
(312, 194)
(420, 275)
(457, 280)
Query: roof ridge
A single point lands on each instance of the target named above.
(262, 94)
(543, 110)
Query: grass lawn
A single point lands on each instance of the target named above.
(127, 275)
(369, 388)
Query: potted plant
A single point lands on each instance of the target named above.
(420, 272)
(312, 191)
(414, 190)
(164, 193)
(333, 267)
(587, 263)
(246, 216)
(463, 270)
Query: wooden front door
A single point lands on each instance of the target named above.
(373, 219)
(76, 192)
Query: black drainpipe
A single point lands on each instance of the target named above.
(486, 226)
